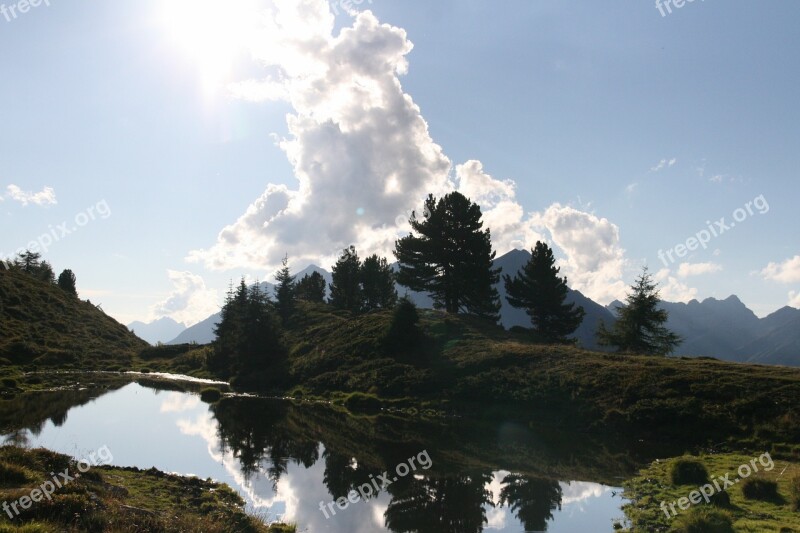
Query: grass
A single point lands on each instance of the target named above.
(654, 485)
(41, 326)
(474, 365)
(122, 500)
(794, 491)
(703, 520)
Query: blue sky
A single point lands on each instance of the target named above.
(188, 143)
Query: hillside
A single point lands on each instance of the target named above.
(467, 361)
(41, 325)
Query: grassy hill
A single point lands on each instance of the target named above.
(41, 326)
(468, 362)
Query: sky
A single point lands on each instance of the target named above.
(162, 148)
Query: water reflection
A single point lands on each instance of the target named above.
(288, 461)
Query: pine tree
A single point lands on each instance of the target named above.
(541, 292)
(285, 292)
(66, 281)
(640, 324)
(27, 261)
(311, 288)
(346, 287)
(45, 272)
(261, 343)
(249, 339)
(377, 284)
(452, 257)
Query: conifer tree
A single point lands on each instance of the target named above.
(539, 290)
(311, 288)
(640, 323)
(377, 284)
(285, 292)
(67, 281)
(450, 257)
(346, 287)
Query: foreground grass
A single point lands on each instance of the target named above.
(655, 485)
(118, 499)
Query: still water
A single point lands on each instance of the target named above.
(292, 462)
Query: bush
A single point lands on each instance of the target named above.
(403, 337)
(688, 472)
(794, 491)
(703, 520)
(358, 401)
(721, 499)
(210, 395)
(10, 383)
(759, 489)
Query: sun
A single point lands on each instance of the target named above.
(212, 34)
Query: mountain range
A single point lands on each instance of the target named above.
(725, 329)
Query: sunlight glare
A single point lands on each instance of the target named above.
(212, 34)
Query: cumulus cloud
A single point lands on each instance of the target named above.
(363, 159)
(785, 272)
(189, 302)
(697, 269)
(45, 197)
(359, 146)
(664, 163)
(672, 289)
(594, 259)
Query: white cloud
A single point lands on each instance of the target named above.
(45, 197)
(359, 146)
(664, 163)
(594, 261)
(672, 289)
(190, 301)
(794, 299)
(363, 158)
(697, 269)
(785, 272)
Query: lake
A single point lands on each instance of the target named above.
(300, 462)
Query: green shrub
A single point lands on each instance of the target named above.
(358, 401)
(210, 395)
(759, 489)
(10, 383)
(688, 472)
(703, 520)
